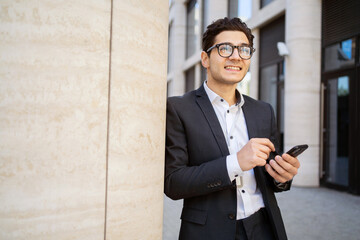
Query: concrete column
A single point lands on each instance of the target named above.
(137, 119)
(82, 121)
(302, 85)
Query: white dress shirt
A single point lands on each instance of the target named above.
(232, 121)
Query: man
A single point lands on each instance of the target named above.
(217, 145)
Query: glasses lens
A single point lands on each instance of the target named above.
(225, 50)
(245, 52)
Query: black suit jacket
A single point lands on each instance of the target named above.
(195, 166)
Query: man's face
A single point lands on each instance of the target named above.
(230, 70)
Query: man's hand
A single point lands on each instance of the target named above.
(284, 168)
(255, 153)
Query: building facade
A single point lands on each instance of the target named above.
(306, 65)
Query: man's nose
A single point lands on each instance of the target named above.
(235, 55)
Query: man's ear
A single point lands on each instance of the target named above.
(205, 59)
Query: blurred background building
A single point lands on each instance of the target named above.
(306, 65)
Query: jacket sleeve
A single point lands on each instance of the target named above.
(182, 178)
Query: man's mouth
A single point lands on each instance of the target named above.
(233, 68)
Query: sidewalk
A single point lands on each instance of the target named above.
(308, 213)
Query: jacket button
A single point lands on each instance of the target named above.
(231, 216)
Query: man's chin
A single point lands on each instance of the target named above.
(232, 81)
(227, 81)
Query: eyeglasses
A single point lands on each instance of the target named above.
(227, 49)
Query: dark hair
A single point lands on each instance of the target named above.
(224, 24)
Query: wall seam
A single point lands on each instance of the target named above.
(108, 121)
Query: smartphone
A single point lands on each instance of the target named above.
(297, 150)
(294, 152)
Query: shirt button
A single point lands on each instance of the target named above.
(222, 100)
(231, 137)
(227, 111)
(231, 216)
(243, 191)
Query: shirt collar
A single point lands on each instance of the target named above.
(213, 96)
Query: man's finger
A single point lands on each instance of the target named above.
(265, 149)
(281, 171)
(265, 142)
(268, 143)
(291, 160)
(263, 154)
(274, 174)
(286, 165)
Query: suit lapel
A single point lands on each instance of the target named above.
(205, 105)
(250, 115)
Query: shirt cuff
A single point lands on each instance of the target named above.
(233, 167)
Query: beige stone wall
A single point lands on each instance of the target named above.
(54, 100)
(137, 119)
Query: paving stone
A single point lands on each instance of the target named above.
(308, 213)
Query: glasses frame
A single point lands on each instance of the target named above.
(233, 48)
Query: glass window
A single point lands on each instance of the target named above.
(233, 8)
(190, 79)
(265, 2)
(340, 55)
(338, 130)
(170, 48)
(272, 91)
(192, 27)
(282, 97)
(240, 8)
(205, 15)
(268, 88)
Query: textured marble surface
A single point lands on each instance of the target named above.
(137, 119)
(54, 68)
(54, 82)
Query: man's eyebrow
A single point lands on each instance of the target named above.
(244, 44)
(224, 43)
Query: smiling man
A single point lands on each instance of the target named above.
(218, 142)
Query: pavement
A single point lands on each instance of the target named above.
(308, 213)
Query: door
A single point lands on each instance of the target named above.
(337, 144)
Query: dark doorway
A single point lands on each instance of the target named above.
(341, 98)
